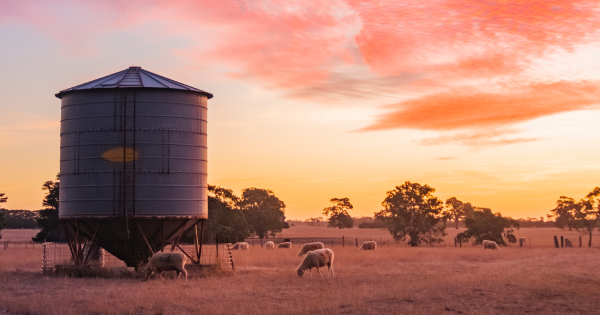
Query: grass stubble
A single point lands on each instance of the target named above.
(391, 280)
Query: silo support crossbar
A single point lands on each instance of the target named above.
(144, 236)
(179, 231)
(91, 243)
(190, 257)
(67, 234)
(73, 234)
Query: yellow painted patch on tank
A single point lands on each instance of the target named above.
(120, 155)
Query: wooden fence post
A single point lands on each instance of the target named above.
(343, 241)
(562, 242)
(580, 241)
(556, 242)
(357, 242)
(455, 243)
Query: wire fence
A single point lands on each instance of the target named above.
(58, 255)
(573, 239)
(334, 241)
(19, 244)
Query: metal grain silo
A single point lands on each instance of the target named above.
(133, 163)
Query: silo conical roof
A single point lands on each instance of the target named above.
(133, 77)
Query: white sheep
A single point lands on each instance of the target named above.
(165, 261)
(285, 245)
(316, 259)
(310, 246)
(241, 246)
(369, 245)
(269, 245)
(490, 245)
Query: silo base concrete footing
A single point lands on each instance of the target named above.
(131, 239)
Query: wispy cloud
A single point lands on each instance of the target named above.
(462, 64)
(482, 117)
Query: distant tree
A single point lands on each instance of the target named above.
(457, 209)
(565, 212)
(2, 200)
(263, 211)
(584, 216)
(19, 219)
(338, 213)
(314, 221)
(413, 211)
(362, 219)
(535, 223)
(48, 222)
(482, 225)
(588, 216)
(377, 223)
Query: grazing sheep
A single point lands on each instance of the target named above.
(490, 245)
(369, 245)
(310, 246)
(269, 245)
(316, 259)
(285, 245)
(160, 262)
(241, 246)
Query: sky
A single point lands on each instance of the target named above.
(492, 102)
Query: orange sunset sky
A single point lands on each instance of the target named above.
(493, 102)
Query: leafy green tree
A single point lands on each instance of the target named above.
(2, 223)
(263, 211)
(48, 222)
(225, 220)
(338, 213)
(457, 209)
(584, 216)
(482, 225)
(588, 218)
(565, 212)
(412, 211)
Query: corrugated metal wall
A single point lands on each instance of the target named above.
(137, 152)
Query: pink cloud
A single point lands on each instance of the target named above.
(468, 108)
(334, 50)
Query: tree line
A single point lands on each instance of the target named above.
(410, 212)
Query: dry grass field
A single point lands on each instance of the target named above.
(391, 280)
(18, 235)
